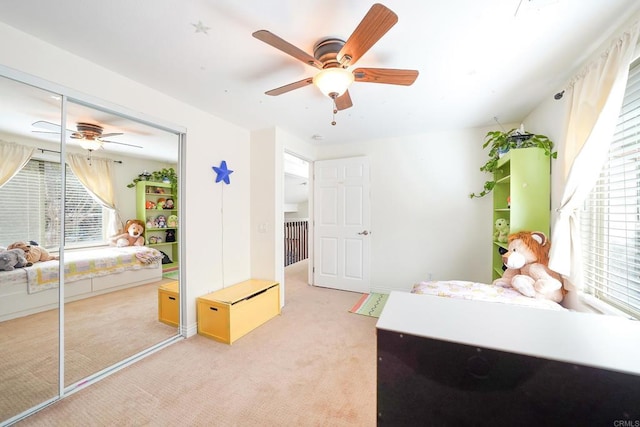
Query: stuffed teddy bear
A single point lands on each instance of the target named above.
(32, 252)
(12, 259)
(527, 271)
(502, 230)
(133, 235)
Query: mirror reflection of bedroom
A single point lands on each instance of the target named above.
(116, 231)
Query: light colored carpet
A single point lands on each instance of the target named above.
(314, 365)
(370, 304)
(99, 332)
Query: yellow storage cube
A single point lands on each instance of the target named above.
(169, 303)
(232, 312)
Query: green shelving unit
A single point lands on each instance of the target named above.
(147, 193)
(523, 174)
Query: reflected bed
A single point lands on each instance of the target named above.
(88, 272)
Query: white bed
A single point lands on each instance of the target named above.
(88, 272)
(481, 292)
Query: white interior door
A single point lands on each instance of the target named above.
(342, 219)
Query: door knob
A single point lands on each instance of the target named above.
(364, 233)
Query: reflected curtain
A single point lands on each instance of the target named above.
(96, 175)
(596, 97)
(14, 157)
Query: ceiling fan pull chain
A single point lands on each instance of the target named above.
(335, 111)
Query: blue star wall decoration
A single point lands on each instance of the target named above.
(222, 172)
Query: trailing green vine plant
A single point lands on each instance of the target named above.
(162, 175)
(500, 142)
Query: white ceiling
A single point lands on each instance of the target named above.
(477, 59)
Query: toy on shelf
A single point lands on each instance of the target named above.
(502, 230)
(152, 223)
(172, 221)
(161, 221)
(149, 205)
(169, 204)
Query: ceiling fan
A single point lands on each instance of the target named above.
(334, 56)
(90, 136)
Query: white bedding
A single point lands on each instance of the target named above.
(88, 273)
(82, 264)
(481, 292)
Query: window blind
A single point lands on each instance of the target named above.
(30, 208)
(610, 221)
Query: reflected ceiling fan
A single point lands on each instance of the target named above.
(334, 56)
(90, 136)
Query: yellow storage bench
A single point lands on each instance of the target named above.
(232, 312)
(169, 303)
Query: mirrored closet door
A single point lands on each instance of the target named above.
(77, 178)
(29, 206)
(106, 152)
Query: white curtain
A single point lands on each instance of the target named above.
(596, 97)
(14, 157)
(96, 175)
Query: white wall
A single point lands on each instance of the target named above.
(424, 225)
(267, 197)
(266, 212)
(207, 206)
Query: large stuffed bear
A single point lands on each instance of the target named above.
(527, 272)
(33, 252)
(12, 259)
(133, 234)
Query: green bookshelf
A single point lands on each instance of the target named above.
(523, 175)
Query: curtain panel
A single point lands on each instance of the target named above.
(596, 96)
(96, 175)
(14, 157)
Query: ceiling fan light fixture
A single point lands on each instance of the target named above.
(90, 144)
(333, 82)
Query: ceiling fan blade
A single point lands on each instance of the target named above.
(48, 132)
(107, 135)
(290, 87)
(373, 26)
(46, 126)
(344, 101)
(385, 75)
(119, 143)
(286, 47)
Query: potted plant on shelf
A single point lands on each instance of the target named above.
(500, 142)
(167, 175)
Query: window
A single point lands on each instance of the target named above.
(30, 208)
(610, 223)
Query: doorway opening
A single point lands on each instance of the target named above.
(296, 215)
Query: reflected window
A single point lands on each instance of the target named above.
(34, 194)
